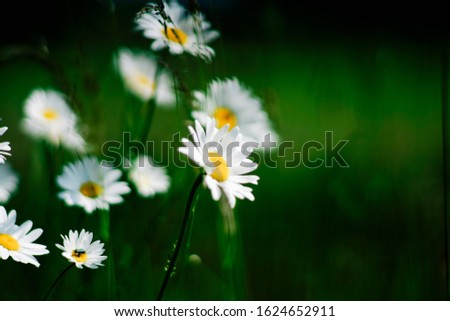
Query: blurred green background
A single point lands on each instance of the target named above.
(373, 231)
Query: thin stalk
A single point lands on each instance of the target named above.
(190, 223)
(51, 166)
(179, 243)
(180, 86)
(112, 290)
(105, 225)
(233, 262)
(105, 234)
(57, 280)
(150, 106)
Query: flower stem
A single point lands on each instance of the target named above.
(57, 280)
(151, 106)
(51, 166)
(184, 225)
(189, 226)
(105, 224)
(105, 234)
(112, 290)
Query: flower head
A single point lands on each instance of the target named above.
(4, 147)
(148, 178)
(175, 29)
(49, 117)
(17, 241)
(88, 184)
(229, 102)
(8, 182)
(79, 249)
(138, 72)
(220, 153)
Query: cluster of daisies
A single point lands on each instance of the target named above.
(17, 242)
(226, 114)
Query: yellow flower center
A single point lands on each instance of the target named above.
(145, 81)
(79, 255)
(50, 114)
(223, 116)
(175, 35)
(9, 242)
(221, 172)
(91, 189)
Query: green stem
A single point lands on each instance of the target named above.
(112, 291)
(104, 225)
(105, 234)
(180, 86)
(51, 167)
(57, 280)
(189, 227)
(150, 106)
(233, 264)
(184, 225)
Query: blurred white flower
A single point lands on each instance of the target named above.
(79, 249)
(138, 72)
(229, 102)
(17, 241)
(219, 153)
(49, 117)
(181, 32)
(8, 182)
(147, 177)
(4, 147)
(88, 184)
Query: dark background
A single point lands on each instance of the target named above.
(54, 19)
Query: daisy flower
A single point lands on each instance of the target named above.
(79, 249)
(148, 178)
(48, 116)
(17, 241)
(229, 102)
(138, 72)
(88, 184)
(220, 154)
(8, 182)
(4, 146)
(178, 31)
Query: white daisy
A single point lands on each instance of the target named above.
(48, 116)
(17, 241)
(229, 102)
(148, 178)
(220, 154)
(80, 250)
(138, 72)
(180, 32)
(4, 147)
(8, 182)
(90, 185)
